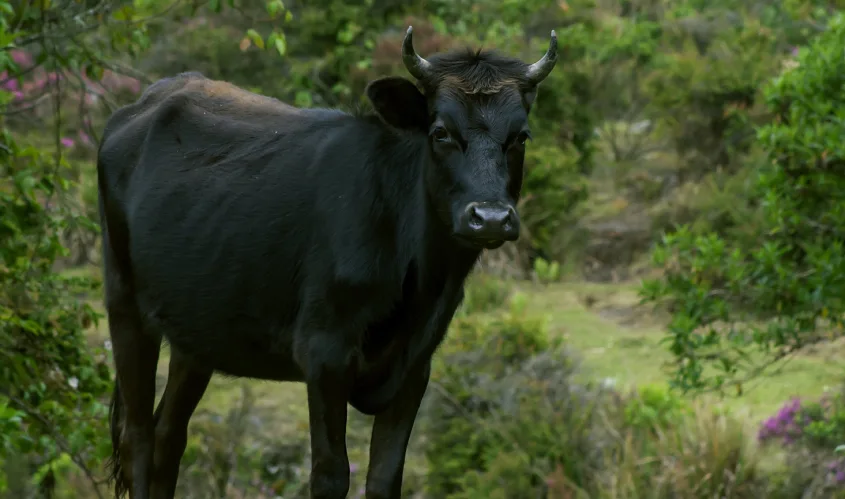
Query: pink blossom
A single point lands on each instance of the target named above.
(114, 81)
(67, 141)
(84, 138)
(21, 58)
(134, 85)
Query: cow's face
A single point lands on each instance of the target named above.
(477, 148)
(474, 111)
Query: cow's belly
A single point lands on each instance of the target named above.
(265, 366)
(242, 361)
(241, 348)
(260, 348)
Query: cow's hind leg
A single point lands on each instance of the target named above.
(135, 358)
(391, 432)
(186, 385)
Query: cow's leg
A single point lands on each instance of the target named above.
(391, 432)
(327, 362)
(186, 385)
(135, 358)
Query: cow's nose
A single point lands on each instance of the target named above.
(490, 222)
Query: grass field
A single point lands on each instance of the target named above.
(617, 339)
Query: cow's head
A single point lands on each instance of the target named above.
(473, 106)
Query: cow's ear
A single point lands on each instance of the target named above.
(399, 103)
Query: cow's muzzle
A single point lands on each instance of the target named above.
(488, 225)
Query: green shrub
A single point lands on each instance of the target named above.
(807, 474)
(503, 410)
(654, 407)
(484, 293)
(52, 383)
(739, 308)
(701, 455)
(543, 422)
(545, 271)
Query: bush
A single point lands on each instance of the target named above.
(508, 417)
(810, 432)
(52, 384)
(504, 412)
(736, 308)
(701, 454)
(654, 408)
(483, 293)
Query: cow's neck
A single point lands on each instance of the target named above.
(429, 245)
(434, 267)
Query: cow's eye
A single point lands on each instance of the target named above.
(440, 134)
(523, 137)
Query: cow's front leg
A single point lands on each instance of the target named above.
(391, 432)
(328, 377)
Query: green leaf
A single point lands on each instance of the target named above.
(281, 44)
(255, 38)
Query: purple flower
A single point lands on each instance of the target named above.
(67, 142)
(784, 424)
(9, 83)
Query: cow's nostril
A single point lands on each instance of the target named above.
(475, 219)
(506, 221)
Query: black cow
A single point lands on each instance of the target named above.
(271, 242)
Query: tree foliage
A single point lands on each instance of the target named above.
(57, 59)
(736, 308)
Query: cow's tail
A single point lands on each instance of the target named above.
(115, 472)
(111, 258)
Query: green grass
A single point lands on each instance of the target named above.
(619, 339)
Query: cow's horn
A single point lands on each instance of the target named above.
(417, 66)
(538, 71)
